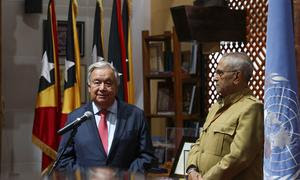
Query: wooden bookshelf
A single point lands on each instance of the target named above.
(177, 77)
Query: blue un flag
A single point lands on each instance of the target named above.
(282, 120)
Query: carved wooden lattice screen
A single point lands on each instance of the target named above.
(255, 46)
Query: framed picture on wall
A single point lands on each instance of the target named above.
(62, 37)
(62, 27)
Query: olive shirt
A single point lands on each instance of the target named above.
(231, 143)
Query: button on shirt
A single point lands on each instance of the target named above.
(111, 120)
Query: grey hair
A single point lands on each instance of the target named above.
(102, 65)
(241, 62)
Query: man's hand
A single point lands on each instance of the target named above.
(194, 175)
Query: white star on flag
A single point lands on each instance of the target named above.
(94, 55)
(112, 63)
(46, 67)
(68, 65)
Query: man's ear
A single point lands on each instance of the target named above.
(89, 88)
(238, 77)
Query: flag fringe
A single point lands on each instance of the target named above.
(47, 169)
(44, 147)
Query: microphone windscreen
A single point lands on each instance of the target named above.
(88, 114)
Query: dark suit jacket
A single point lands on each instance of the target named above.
(131, 148)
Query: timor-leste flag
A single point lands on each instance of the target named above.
(117, 49)
(126, 17)
(98, 33)
(48, 109)
(71, 97)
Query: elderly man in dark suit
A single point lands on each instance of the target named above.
(117, 135)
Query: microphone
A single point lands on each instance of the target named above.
(87, 115)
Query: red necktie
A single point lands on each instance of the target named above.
(102, 129)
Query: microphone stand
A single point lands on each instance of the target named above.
(70, 140)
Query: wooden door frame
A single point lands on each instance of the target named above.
(1, 104)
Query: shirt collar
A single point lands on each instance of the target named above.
(230, 99)
(112, 109)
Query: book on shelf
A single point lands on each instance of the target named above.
(166, 113)
(192, 100)
(185, 61)
(188, 98)
(195, 124)
(168, 61)
(156, 57)
(193, 66)
(165, 98)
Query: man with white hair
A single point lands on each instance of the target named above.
(117, 136)
(231, 143)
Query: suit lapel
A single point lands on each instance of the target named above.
(93, 129)
(121, 123)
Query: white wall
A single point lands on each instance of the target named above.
(21, 57)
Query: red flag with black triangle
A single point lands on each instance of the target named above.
(117, 49)
(48, 106)
(126, 17)
(98, 32)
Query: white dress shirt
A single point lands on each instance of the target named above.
(111, 120)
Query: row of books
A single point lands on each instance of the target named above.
(162, 61)
(165, 98)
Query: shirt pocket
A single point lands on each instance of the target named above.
(219, 140)
(227, 134)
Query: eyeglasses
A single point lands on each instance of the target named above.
(220, 73)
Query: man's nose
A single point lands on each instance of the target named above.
(102, 86)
